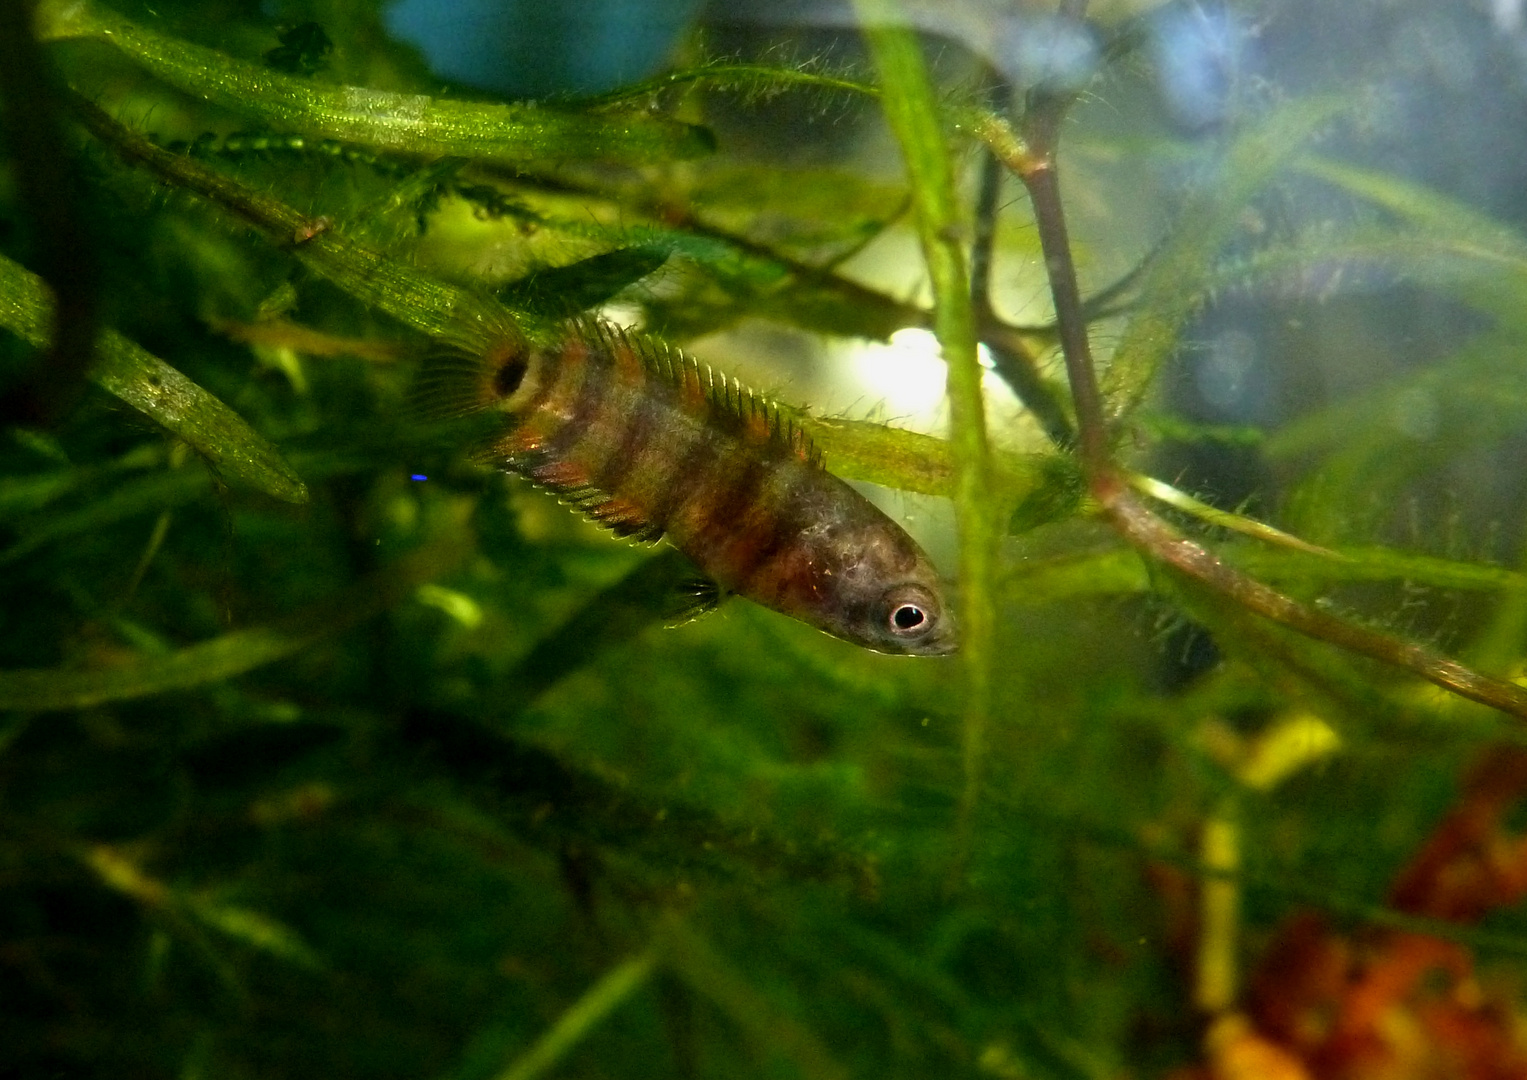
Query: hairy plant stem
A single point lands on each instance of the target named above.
(1013, 360)
(1014, 349)
(914, 118)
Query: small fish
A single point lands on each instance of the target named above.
(650, 443)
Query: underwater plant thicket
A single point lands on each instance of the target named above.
(327, 750)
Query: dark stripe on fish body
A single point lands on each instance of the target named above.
(719, 508)
(633, 410)
(539, 421)
(671, 478)
(584, 435)
(638, 393)
(642, 421)
(760, 577)
(770, 534)
(548, 373)
(601, 406)
(569, 415)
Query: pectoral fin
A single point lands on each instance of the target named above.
(695, 597)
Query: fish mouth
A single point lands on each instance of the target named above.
(946, 636)
(945, 644)
(944, 641)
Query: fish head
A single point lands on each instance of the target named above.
(877, 588)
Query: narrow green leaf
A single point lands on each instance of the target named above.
(1439, 215)
(564, 291)
(1225, 519)
(23, 495)
(1445, 243)
(1475, 394)
(227, 656)
(1120, 570)
(909, 461)
(158, 391)
(1374, 563)
(698, 964)
(255, 929)
(383, 120)
(1114, 570)
(160, 490)
(614, 987)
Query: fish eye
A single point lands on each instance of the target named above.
(910, 612)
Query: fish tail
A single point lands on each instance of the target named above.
(459, 383)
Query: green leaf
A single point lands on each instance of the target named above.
(380, 119)
(222, 438)
(156, 491)
(563, 291)
(614, 987)
(1442, 240)
(1060, 492)
(304, 49)
(1375, 563)
(1111, 571)
(255, 929)
(1377, 442)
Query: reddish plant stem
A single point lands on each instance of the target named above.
(1044, 192)
(1156, 538)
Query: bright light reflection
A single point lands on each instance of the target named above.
(906, 377)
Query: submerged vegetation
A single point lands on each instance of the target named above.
(326, 749)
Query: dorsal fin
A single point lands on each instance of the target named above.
(727, 398)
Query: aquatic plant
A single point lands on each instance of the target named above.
(326, 748)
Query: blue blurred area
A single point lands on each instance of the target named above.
(540, 48)
(1201, 53)
(1056, 54)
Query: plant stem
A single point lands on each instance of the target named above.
(1040, 176)
(380, 119)
(912, 112)
(1159, 540)
(1012, 358)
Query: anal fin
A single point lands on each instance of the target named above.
(625, 519)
